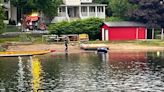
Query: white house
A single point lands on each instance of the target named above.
(79, 9)
(10, 11)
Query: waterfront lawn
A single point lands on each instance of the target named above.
(140, 42)
(36, 40)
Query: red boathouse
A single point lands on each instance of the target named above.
(123, 31)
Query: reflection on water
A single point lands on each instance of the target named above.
(84, 72)
(21, 86)
(36, 74)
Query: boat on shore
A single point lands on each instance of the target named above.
(102, 50)
(24, 53)
(93, 46)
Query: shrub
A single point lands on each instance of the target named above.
(26, 38)
(1, 20)
(108, 19)
(89, 26)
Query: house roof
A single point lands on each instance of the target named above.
(124, 24)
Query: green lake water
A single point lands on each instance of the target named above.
(84, 72)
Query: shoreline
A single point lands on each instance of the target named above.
(60, 48)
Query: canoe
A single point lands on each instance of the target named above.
(93, 46)
(24, 53)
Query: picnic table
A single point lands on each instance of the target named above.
(50, 38)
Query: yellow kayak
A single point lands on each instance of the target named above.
(24, 53)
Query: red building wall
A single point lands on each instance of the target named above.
(124, 33)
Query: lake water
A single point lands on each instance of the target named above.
(84, 72)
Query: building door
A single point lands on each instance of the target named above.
(70, 12)
(149, 33)
(73, 12)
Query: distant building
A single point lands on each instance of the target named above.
(79, 9)
(124, 30)
(10, 11)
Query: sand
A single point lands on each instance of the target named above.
(74, 48)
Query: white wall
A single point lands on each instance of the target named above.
(71, 2)
(14, 13)
(86, 1)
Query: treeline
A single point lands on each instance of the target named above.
(1, 20)
(48, 7)
(150, 12)
(89, 26)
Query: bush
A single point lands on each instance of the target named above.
(108, 19)
(26, 38)
(89, 26)
(1, 20)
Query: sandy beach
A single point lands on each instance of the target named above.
(74, 48)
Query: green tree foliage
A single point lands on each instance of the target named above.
(48, 7)
(1, 20)
(89, 26)
(119, 8)
(150, 12)
(113, 19)
(101, 1)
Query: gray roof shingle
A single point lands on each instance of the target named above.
(124, 24)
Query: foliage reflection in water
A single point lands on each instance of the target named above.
(84, 72)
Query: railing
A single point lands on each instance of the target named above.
(68, 18)
(62, 14)
(50, 38)
(84, 13)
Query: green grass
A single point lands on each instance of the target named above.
(36, 40)
(140, 42)
(151, 42)
(3, 40)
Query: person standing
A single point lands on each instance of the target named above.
(66, 41)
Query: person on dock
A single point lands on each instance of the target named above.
(66, 41)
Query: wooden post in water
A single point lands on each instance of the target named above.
(153, 33)
(162, 34)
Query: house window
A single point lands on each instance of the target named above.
(62, 9)
(83, 9)
(6, 1)
(92, 9)
(6, 15)
(100, 9)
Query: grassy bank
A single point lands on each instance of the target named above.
(140, 42)
(34, 40)
(37, 40)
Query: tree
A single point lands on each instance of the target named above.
(1, 20)
(48, 7)
(119, 8)
(150, 12)
(101, 1)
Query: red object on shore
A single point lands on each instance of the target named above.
(32, 18)
(122, 31)
(53, 50)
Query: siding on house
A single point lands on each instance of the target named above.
(10, 11)
(80, 9)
